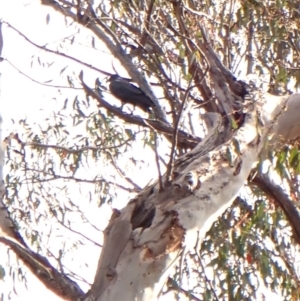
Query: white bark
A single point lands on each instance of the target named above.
(134, 264)
(286, 125)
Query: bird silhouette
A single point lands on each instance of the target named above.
(128, 93)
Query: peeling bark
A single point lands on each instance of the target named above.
(205, 181)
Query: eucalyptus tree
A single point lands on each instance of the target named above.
(223, 77)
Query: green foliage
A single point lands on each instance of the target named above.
(2, 272)
(248, 247)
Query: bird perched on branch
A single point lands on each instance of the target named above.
(128, 93)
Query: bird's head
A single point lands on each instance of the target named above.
(116, 77)
(113, 77)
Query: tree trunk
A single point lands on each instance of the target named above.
(144, 240)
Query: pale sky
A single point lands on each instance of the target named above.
(21, 98)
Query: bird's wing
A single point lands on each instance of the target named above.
(126, 86)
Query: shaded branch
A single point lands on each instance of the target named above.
(184, 140)
(175, 136)
(39, 265)
(277, 193)
(115, 49)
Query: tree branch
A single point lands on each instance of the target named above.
(277, 193)
(184, 140)
(55, 51)
(58, 283)
(116, 50)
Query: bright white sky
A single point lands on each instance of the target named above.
(20, 97)
(23, 98)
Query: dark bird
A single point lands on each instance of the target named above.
(128, 93)
(238, 87)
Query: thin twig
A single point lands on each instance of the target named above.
(123, 175)
(172, 285)
(38, 82)
(185, 139)
(176, 128)
(206, 279)
(117, 51)
(147, 22)
(76, 151)
(197, 251)
(1, 39)
(56, 52)
(69, 178)
(71, 273)
(161, 186)
(76, 232)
